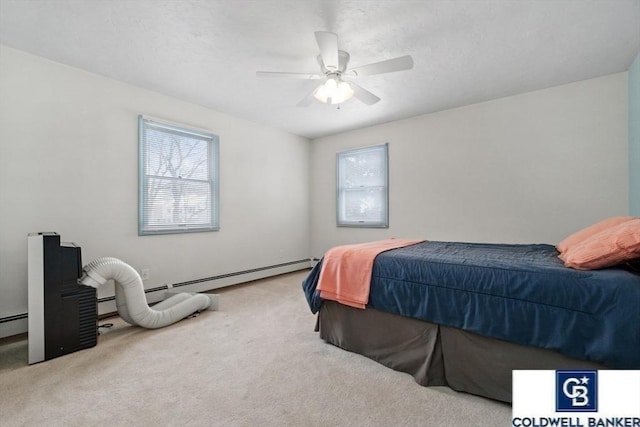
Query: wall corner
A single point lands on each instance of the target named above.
(634, 137)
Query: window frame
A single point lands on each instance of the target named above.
(213, 143)
(384, 223)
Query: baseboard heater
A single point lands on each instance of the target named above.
(63, 315)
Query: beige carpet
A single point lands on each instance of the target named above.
(256, 362)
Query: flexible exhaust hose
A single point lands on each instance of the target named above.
(130, 299)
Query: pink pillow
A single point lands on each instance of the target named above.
(610, 247)
(582, 235)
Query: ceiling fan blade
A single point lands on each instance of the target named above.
(328, 44)
(363, 94)
(303, 76)
(388, 66)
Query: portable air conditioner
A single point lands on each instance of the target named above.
(63, 315)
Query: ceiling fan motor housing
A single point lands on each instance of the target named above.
(343, 60)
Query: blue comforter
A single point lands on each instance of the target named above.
(518, 293)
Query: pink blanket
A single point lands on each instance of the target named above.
(345, 276)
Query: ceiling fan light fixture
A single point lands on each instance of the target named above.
(334, 91)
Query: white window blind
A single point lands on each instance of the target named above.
(178, 183)
(363, 186)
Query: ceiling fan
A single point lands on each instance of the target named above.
(334, 89)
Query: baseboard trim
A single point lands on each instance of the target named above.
(13, 318)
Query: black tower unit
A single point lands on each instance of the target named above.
(63, 315)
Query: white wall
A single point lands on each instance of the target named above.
(527, 168)
(69, 163)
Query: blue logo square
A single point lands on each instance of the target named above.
(576, 391)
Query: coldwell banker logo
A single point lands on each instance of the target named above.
(575, 398)
(576, 391)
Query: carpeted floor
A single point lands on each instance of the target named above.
(255, 362)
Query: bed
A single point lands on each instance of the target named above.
(465, 315)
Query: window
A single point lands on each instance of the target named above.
(363, 187)
(178, 183)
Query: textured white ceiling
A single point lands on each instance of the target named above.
(207, 52)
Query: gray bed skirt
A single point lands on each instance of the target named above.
(436, 355)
